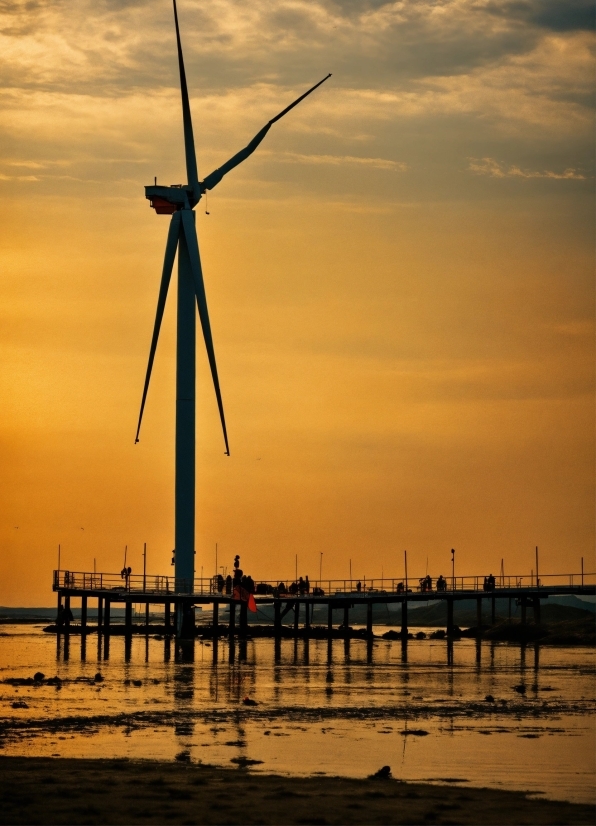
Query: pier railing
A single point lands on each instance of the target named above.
(211, 586)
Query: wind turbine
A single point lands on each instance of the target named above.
(179, 202)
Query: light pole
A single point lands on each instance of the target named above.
(144, 566)
(453, 569)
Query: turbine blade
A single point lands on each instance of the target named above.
(215, 177)
(190, 232)
(189, 143)
(168, 263)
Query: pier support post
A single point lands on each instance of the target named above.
(59, 618)
(307, 617)
(83, 616)
(524, 606)
(536, 607)
(106, 619)
(277, 617)
(369, 619)
(67, 615)
(215, 620)
(232, 628)
(479, 614)
(404, 619)
(493, 610)
(449, 616)
(243, 619)
(128, 618)
(167, 618)
(99, 614)
(329, 619)
(187, 620)
(346, 620)
(146, 616)
(296, 617)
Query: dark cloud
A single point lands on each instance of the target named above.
(557, 15)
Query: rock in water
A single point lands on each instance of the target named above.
(39, 676)
(382, 774)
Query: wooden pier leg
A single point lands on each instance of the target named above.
(128, 618)
(59, 613)
(188, 629)
(243, 619)
(404, 619)
(147, 616)
(215, 620)
(296, 617)
(167, 618)
(232, 628)
(479, 614)
(536, 607)
(524, 605)
(83, 616)
(99, 614)
(106, 618)
(67, 615)
(346, 620)
(369, 620)
(493, 610)
(450, 616)
(277, 618)
(329, 619)
(307, 618)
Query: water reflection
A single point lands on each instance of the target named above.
(437, 685)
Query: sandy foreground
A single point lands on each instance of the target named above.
(68, 791)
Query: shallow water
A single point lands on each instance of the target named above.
(344, 708)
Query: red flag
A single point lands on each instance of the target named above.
(243, 595)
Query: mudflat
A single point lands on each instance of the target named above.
(37, 790)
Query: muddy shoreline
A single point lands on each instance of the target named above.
(69, 791)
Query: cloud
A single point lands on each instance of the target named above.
(342, 160)
(497, 169)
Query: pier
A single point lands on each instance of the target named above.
(178, 598)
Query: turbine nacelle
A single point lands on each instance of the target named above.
(166, 200)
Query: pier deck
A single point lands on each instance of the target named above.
(182, 596)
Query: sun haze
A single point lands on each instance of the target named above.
(400, 284)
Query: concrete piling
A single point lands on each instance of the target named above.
(536, 609)
(128, 618)
(243, 619)
(215, 620)
(450, 624)
(369, 619)
(67, 615)
(232, 626)
(83, 616)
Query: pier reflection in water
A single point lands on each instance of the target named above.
(348, 705)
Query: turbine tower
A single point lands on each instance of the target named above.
(179, 201)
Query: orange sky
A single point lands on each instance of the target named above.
(400, 284)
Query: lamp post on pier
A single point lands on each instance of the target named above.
(453, 569)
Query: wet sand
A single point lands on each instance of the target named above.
(69, 791)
